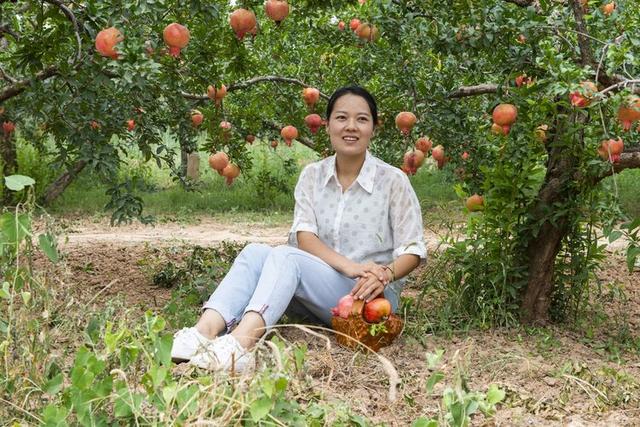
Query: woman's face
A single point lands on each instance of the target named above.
(350, 126)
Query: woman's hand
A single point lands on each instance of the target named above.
(356, 270)
(368, 287)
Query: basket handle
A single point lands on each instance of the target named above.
(357, 307)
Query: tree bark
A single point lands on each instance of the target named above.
(543, 248)
(9, 164)
(57, 187)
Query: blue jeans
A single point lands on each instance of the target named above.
(272, 280)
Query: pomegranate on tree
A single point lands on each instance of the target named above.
(424, 144)
(131, 124)
(196, 118)
(176, 36)
(276, 10)
(541, 133)
(230, 172)
(313, 122)
(242, 21)
(405, 122)
(438, 153)
(465, 156)
(94, 125)
(611, 149)
(629, 112)
(354, 24)
(250, 138)
(505, 115)
(367, 32)
(475, 203)
(496, 129)
(289, 133)
(218, 161)
(377, 310)
(582, 97)
(106, 41)
(274, 144)
(608, 8)
(216, 94)
(8, 127)
(343, 309)
(413, 159)
(310, 95)
(522, 79)
(341, 25)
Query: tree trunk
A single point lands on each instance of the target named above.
(542, 249)
(9, 165)
(58, 186)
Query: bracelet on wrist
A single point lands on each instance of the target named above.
(393, 275)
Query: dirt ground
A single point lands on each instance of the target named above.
(553, 376)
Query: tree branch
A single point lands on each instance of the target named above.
(18, 87)
(5, 29)
(474, 90)
(260, 79)
(521, 3)
(303, 140)
(623, 83)
(6, 77)
(629, 159)
(69, 14)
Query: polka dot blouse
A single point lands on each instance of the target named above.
(377, 218)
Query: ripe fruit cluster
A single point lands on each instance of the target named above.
(375, 311)
(582, 98)
(220, 162)
(504, 115)
(611, 149)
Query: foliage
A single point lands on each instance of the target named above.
(536, 194)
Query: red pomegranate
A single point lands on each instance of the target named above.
(582, 97)
(217, 94)
(106, 41)
(611, 149)
(242, 21)
(341, 25)
(276, 10)
(475, 203)
(505, 115)
(196, 118)
(367, 32)
(310, 95)
(377, 310)
(131, 124)
(500, 130)
(405, 122)
(354, 24)
(465, 156)
(629, 112)
(250, 138)
(8, 127)
(219, 160)
(176, 36)
(289, 133)
(230, 172)
(438, 153)
(343, 309)
(314, 122)
(424, 144)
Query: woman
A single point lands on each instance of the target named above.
(357, 229)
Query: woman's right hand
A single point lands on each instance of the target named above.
(355, 271)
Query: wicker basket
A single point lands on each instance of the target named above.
(356, 327)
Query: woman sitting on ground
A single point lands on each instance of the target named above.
(357, 229)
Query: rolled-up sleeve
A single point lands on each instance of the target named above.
(304, 218)
(406, 221)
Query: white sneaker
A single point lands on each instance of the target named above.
(220, 354)
(187, 342)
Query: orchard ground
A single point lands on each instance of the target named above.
(586, 374)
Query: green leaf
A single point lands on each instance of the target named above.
(54, 416)
(614, 235)
(4, 292)
(54, 385)
(632, 254)
(260, 409)
(495, 395)
(434, 379)
(423, 422)
(434, 358)
(48, 245)
(18, 182)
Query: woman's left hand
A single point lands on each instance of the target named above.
(367, 287)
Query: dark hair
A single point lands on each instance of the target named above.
(355, 90)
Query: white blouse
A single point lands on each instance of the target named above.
(378, 218)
